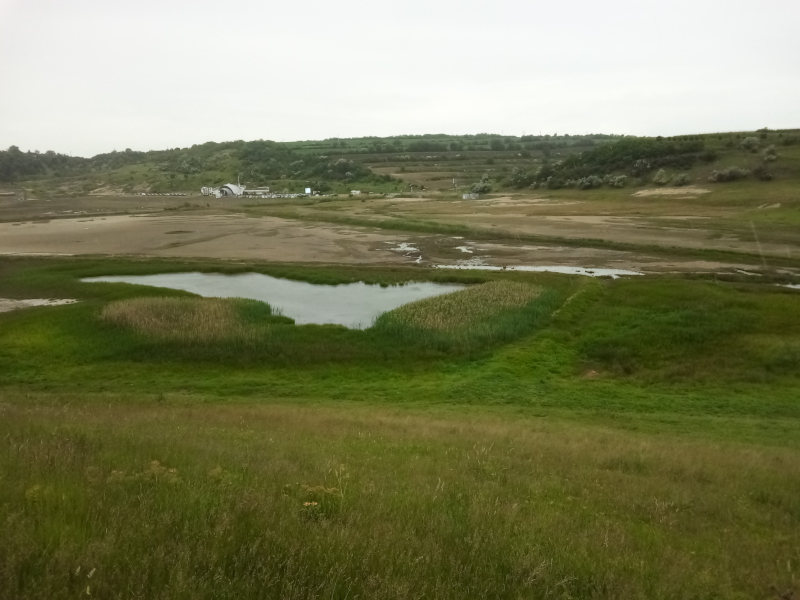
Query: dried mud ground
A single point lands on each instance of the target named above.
(313, 231)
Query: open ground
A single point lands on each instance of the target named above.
(672, 229)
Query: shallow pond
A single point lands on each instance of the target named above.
(588, 271)
(354, 305)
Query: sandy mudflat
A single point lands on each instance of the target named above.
(273, 239)
(9, 304)
(121, 226)
(206, 236)
(685, 192)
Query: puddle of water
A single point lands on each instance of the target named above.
(792, 286)
(354, 305)
(589, 272)
(403, 247)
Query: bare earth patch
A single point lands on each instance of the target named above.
(686, 192)
(233, 231)
(9, 304)
(229, 236)
(531, 201)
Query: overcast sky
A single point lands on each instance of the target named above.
(90, 76)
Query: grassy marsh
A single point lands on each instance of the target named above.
(576, 438)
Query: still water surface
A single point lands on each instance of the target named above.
(565, 270)
(354, 305)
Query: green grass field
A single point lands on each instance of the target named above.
(535, 436)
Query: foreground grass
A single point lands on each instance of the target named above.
(185, 500)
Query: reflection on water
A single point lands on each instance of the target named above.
(354, 305)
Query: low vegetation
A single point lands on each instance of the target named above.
(675, 161)
(630, 157)
(729, 174)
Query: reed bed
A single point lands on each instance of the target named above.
(218, 329)
(463, 308)
(178, 319)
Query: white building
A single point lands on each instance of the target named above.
(230, 189)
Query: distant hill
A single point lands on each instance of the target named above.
(257, 163)
(482, 162)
